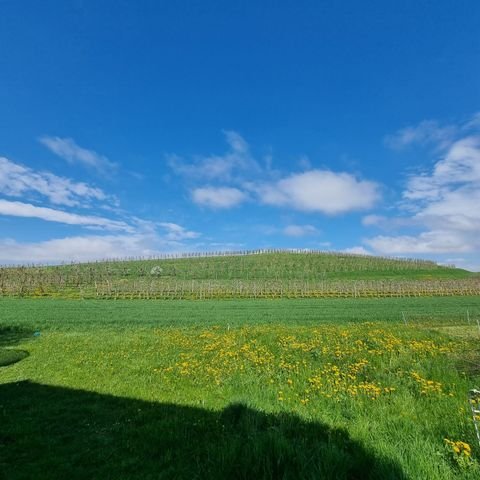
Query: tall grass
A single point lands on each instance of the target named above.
(239, 389)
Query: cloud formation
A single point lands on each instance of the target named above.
(321, 191)
(77, 248)
(218, 197)
(299, 230)
(428, 132)
(442, 202)
(236, 177)
(236, 161)
(83, 248)
(124, 236)
(17, 180)
(68, 149)
(460, 167)
(27, 210)
(433, 241)
(176, 232)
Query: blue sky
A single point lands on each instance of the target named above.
(138, 128)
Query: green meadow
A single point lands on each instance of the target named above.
(306, 388)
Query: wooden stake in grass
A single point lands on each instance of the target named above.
(474, 400)
(404, 318)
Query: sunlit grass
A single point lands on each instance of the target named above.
(396, 389)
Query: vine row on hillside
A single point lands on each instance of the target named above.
(209, 289)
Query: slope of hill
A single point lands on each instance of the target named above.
(256, 274)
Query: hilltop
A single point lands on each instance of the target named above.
(277, 264)
(261, 274)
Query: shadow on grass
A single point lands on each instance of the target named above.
(12, 336)
(58, 433)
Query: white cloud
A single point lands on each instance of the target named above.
(433, 241)
(472, 264)
(84, 248)
(443, 203)
(79, 248)
(432, 133)
(127, 235)
(241, 178)
(304, 163)
(299, 230)
(218, 167)
(321, 191)
(237, 142)
(373, 220)
(218, 197)
(460, 167)
(27, 210)
(17, 180)
(390, 223)
(448, 197)
(473, 123)
(177, 232)
(67, 149)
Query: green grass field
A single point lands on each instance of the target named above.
(327, 388)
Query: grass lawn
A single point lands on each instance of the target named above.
(339, 388)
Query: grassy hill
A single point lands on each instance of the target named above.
(263, 274)
(277, 265)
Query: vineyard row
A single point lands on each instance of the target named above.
(208, 289)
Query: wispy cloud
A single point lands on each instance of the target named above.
(84, 248)
(299, 230)
(68, 149)
(432, 133)
(442, 202)
(218, 197)
(369, 220)
(176, 232)
(460, 165)
(433, 241)
(428, 132)
(236, 161)
(122, 235)
(17, 180)
(237, 176)
(390, 223)
(77, 248)
(27, 210)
